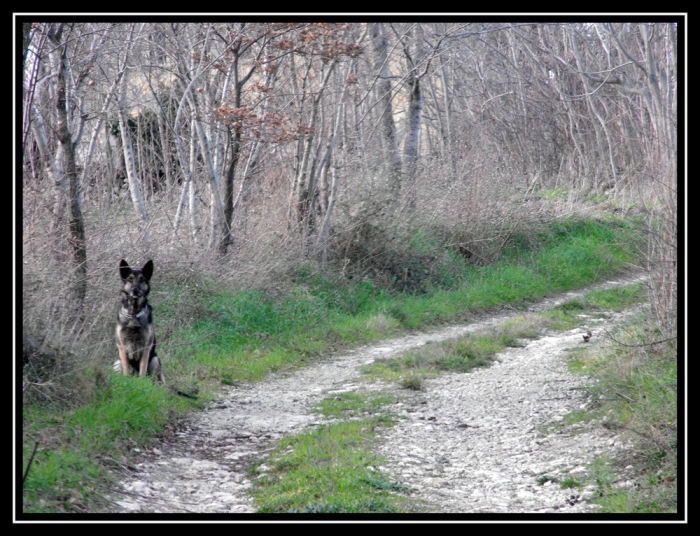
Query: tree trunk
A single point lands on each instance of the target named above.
(76, 224)
(328, 162)
(307, 190)
(381, 67)
(128, 150)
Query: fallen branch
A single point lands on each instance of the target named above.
(182, 393)
(31, 459)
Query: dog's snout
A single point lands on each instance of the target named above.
(136, 292)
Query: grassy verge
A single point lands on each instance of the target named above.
(240, 336)
(243, 335)
(596, 304)
(637, 396)
(76, 446)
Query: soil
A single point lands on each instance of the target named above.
(492, 440)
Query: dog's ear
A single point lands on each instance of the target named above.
(147, 270)
(124, 269)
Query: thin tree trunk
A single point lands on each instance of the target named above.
(305, 192)
(325, 226)
(127, 148)
(76, 224)
(381, 67)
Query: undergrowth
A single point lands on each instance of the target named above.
(636, 395)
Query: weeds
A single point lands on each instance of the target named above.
(636, 394)
(412, 381)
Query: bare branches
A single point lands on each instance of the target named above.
(244, 130)
(639, 345)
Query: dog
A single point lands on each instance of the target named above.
(136, 336)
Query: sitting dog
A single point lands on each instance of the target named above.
(136, 337)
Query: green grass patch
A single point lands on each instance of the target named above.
(61, 480)
(76, 446)
(455, 355)
(412, 381)
(654, 493)
(568, 483)
(352, 404)
(544, 479)
(595, 304)
(329, 470)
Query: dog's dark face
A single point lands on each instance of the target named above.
(136, 283)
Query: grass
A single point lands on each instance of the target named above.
(352, 405)
(596, 304)
(461, 354)
(69, 466)
(332, 469)
(652, 493)
(637, 397)
(232, 336)
(329, 470)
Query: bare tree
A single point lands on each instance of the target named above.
(127, 147)
(67, 127)
(385, 93)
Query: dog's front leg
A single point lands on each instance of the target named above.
(143, 362)
(122, 357)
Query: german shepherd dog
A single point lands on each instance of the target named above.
(136, 337)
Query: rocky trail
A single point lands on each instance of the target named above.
(466, 443)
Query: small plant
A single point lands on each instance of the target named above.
(569, 483)
(353, 404)
(412, 381)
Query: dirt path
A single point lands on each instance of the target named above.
(468, 442)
